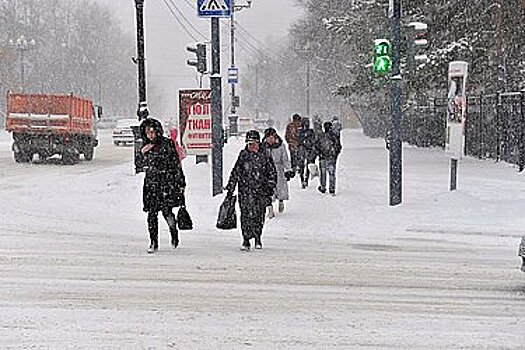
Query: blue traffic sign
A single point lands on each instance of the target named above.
(214, 8)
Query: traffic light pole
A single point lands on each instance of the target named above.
(216, 108)
(396, 146)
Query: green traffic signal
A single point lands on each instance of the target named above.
(382, 65)
(382, 61)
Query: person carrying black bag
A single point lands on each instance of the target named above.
(164, 182)
(255, 175)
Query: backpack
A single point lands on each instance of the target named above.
(326, 145)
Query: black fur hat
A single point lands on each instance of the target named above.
(253, 135)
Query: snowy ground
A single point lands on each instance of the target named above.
(438, 272)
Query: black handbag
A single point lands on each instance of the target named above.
(227, 219)
(184, 221)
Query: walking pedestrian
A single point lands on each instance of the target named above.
(273, 146)
(337, 126)
(318, 124)
(307, 151)
(164, 183)
(255, 175)
(292, 138)
(328, 147)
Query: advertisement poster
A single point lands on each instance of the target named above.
(195, 121)
(456, 109)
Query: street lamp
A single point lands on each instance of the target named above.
(22, 44)
(142, 111)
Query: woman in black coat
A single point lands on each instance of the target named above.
(164, 183)
(255, 174)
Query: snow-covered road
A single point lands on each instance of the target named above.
(438, 272)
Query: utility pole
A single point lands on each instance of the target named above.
(232, 46)
(308, 73)
(22, 45)
(233, 118)
(142, 110)
(396, 146)
(216, 108)
(257, 91)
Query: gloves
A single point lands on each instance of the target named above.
(289, 174)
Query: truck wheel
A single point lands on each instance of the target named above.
(89, 152)
(22, 157)
(70, 156)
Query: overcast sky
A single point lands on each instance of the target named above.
(166, 40)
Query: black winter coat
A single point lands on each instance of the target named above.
(328, 146)
(308, 142)
(256, 176)
(164, 176)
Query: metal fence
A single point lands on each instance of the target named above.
(495, 126)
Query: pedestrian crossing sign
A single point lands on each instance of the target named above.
(214, 8)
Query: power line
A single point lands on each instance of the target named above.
(188, 21)
(247, 44)
(179, 21)
(256, 40)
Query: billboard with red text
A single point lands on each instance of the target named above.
(195, 121)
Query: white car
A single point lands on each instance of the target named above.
(122, 134)
(521, 252)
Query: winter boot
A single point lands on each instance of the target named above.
(271, 213)
(153, 248)
(258, 243)
(322, 190)
(174, 240)
(281, 206)
(245, 247)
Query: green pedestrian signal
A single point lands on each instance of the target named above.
(382, 61)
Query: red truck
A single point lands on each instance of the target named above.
(51, 124)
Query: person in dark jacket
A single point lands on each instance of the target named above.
(292, 138)
(255, 175)
(337, 127)
(328, 147)
(164, 182)
(307, 151)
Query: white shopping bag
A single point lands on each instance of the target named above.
(314, 170)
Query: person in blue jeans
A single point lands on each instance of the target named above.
(328, 148)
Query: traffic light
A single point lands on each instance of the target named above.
(382, 60)
(417, 44)
(200, 51)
